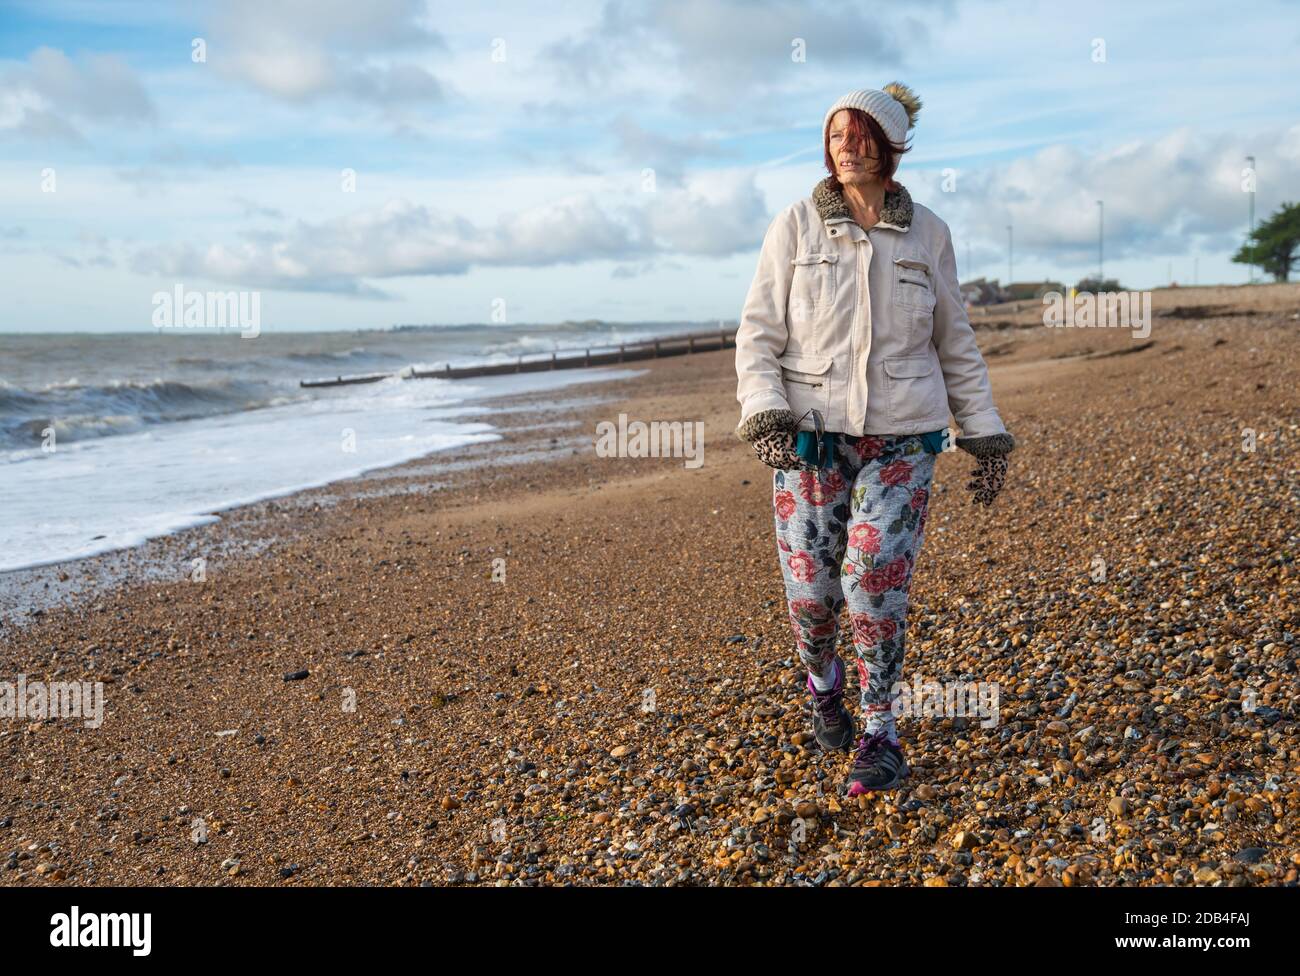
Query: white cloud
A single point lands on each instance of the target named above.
(720, 54)
(717, 215)
(398, 239)
(299, 50)
(666, 155)
(714, 217)
(1164, 196)
(45, 95)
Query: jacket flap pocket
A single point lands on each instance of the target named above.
(801, 363)
(815, 259)
(908, 366)
(913, 263)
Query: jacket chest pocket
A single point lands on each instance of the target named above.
(914, 285)
(812, 285)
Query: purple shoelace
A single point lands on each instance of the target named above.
(868, 747)
(827, 702)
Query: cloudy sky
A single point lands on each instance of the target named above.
(362, 164)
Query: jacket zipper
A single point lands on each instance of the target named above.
(864, 303)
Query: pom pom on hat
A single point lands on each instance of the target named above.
(907, 98)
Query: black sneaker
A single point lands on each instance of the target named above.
(832, 723)
(879, 765)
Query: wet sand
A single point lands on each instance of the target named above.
(537, 665)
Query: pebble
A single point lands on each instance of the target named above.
(966, 840)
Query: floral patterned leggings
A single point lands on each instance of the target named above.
(852, 532)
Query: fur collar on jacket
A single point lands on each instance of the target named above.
(829, 200)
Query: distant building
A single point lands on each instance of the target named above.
(981, 291)
(1021, 290)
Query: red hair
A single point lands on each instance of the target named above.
(862, 131)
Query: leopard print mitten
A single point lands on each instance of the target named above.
(990, 474)
(777, 450)
(771, 434)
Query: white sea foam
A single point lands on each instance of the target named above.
(101, 494)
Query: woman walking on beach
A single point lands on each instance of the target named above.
(852, 347)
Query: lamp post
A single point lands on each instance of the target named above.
(1010, 265)
(1101, 254)
(1250, 163)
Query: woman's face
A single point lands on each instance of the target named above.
(853, 164)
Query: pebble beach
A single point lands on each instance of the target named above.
(541, 666)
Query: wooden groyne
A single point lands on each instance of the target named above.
(609, 355)
(347, 380)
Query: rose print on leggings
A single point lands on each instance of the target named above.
(802, 567)
(850, 535)
(865, 538)
(783, 502)
(871, 630)
(813, 621)
(867, 448)
(894, 575)
(821, 488)
(895, 473)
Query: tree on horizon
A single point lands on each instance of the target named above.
(1273, 244)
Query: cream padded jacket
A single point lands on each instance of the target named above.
(866, 326)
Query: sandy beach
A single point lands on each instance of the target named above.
(529, 664)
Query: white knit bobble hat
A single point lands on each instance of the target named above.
(895, 109)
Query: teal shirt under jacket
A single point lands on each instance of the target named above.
(806, 444)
